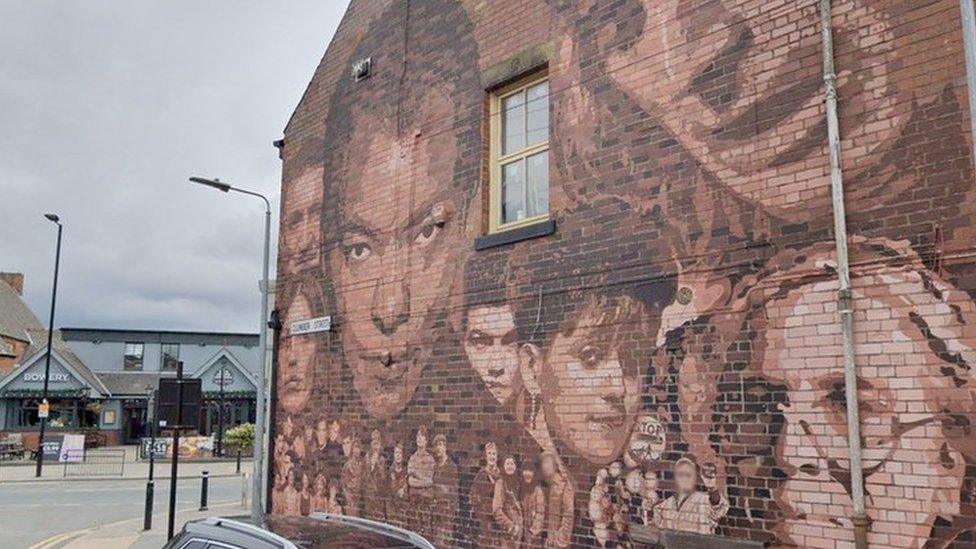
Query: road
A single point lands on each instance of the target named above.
(30, 513)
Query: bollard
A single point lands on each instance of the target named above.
(204, 485)
(244, 490)
(147, 521)
(238, 461)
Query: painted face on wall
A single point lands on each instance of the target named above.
(301, 223)
(510, 466)
(591, 380)
(755, 119)
(491, 345)
(396, 259)
(297, 364)
(904, 398)
(685, 477)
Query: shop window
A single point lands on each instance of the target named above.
(133, 356)
(519, 154)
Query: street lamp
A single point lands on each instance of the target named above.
(257, 510)
(47, 360)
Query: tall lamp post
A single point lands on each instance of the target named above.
(257, 509)
(50, 336)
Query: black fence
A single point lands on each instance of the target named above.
(104, 462)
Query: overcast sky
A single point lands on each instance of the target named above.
(106, 107)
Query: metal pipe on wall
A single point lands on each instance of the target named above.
(845, 302)
(968, 16)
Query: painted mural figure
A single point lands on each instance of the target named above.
(395, 269)
(533, 499)
(922, 417)
(399, 507)
(375, 479)
(420, 480)
(352, 475)
(483, 495)
(689, 509)
(296, 373)
(559, 502)
(506, 508)
(445, 503)
(600, 507)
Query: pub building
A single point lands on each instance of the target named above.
(101, 382)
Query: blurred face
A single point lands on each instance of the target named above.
(650, 482)
(398, 454)
(528, 475)
(321, 433)
(334, 431)
(685, 478)
(510, 466)
(296, 360)
(421, 440)
(749, 115)
(347, 446)
(491, 345)
(396, 259)
(301, 225)
(615, 469)
(903, 429)
(591, 386)
(441, 449)
(548, 466)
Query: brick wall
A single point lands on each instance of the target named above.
(671, 356)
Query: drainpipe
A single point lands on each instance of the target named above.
(969, 46)
(845, 305)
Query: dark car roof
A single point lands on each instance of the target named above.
(335, 531)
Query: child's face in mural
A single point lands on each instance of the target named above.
(510, 466)
(902, 432)
(397, 454)
(421, 441)
(747, 114)
(491, 345)
(440, 448)
(590, 384)
(491, 456)
(298, 351)
(395, 262)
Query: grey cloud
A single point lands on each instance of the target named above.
(106, 108)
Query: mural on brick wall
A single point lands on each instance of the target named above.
(671, 356)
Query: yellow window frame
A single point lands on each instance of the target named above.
(497, 160)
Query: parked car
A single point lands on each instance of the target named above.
(320, 530)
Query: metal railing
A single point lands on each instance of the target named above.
(107, 462)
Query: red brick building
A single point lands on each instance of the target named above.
(581, 263)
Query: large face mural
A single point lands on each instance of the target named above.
(671, 356)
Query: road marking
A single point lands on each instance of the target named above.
(52, 542)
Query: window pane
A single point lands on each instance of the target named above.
(538, 184)
(513, 123)
(513, 192)
(538, 113)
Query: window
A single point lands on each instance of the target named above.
(519, 154)
(133, 356)
(169, 356)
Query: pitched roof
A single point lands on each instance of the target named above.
(68, 356)
(16, 319)
(129, 383)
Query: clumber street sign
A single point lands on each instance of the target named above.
(312, 325)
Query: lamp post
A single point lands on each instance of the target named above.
(50, 337)
(257, 509)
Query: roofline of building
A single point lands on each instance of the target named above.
(156, 332)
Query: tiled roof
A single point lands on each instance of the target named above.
(128, 383)
(16, 319)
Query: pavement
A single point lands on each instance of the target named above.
(130, 468)
(107, 512)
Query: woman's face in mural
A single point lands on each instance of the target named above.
(751, 116)
(295, 375)
(591, 382)
(396, 258)
(491, 345)
(510, 466)
(902, 399)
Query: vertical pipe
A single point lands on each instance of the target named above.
(257, 509)
(845, 305)
(968, 16)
